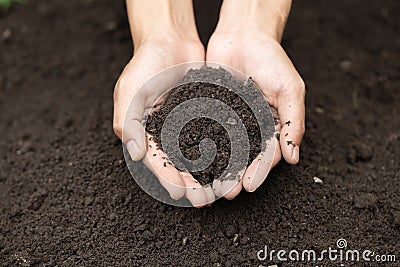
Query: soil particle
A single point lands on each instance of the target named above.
(214, 256)
(88, 200)
(22, 259)
(346, 65)
(244, 240)
(37, 199)
(351, 155)
(230, 231)
(317, 180)
(364, 152)
(396, 218)
(359, 152)
(6, 34)
(365, 201)
(319, 110)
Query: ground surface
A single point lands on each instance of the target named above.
(66, 196)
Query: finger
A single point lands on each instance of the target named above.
(168, 176)
(195, 193)
(210, 194)
(133, 134)
(216, 186)
(232, 192)
(277, 154)
(292, 115)
(222, 188)
(258, 170)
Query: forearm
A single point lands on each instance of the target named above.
(161, 18)
(270, 16)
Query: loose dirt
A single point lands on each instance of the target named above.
(67, 198)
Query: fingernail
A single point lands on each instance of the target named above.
(133, 149)
(295, 153)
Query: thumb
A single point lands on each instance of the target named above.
(129, 108)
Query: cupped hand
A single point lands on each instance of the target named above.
(132, 101)
(261, 56)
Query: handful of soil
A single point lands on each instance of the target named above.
(243, 98)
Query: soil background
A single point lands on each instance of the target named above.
(66, 195)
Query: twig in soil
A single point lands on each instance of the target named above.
(307, 169)
(355, 99)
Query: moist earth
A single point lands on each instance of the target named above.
(223, 130)
(67, 197)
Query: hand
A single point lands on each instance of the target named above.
(150, 58)
(155, 50)
(256, 52)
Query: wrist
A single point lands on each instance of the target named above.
(267, 17)
(165, 20)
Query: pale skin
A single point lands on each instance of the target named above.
(247, 38)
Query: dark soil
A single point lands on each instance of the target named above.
(67, 198)
(200, 128)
